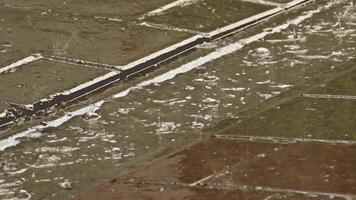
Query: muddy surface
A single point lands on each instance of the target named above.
(166, 111)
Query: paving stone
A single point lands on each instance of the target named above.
(37, 80)
(313, 167)
(202, 160)
(98, 40)
(209, 15)
(90, 8)
(332, 119)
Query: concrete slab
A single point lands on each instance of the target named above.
(332, 119)
(89, 8)
(142, 191)
(151, 191)
(208, 15)
(175, 176)
(8, 57)
(310, 167)
(202, 160)
(32, 82)
(230, 168)
(345, 85)
(98, 40)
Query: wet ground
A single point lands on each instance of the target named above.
(260, 92)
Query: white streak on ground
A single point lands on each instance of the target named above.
(89, 83)
(35, 130)
(268, 3)
(13, 140)
(216, 54)
(178, 3)
(184, 42)
(169, 28)
(19, 63)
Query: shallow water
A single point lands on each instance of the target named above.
(175, 111)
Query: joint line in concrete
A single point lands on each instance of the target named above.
(281, 190)
(169, 28)
(75, 61)
(263, 2)
(284, 140)
(163, 9)
(158, 57)
(329, 96)
(240, 187)
(19, 63)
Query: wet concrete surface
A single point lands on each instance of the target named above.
(124, 8)
(155, 119)
(201, 160)
(280, 1)
(94, 39)
(331, 119)
(143, 191)
(304, 167)
(156, 191)
(208, 15)
(345, 85)
(3, 106)
(223, 169)
(8, 55)
(40, 79)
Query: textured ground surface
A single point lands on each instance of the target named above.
(267, 113)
